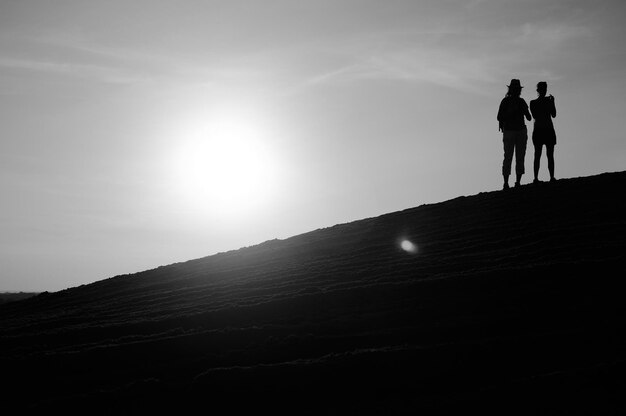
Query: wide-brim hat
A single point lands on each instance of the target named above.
(515, 84)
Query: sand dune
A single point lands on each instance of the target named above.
(513, 302)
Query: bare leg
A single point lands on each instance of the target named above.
(520, 153)
(550, 154)
(538, 150)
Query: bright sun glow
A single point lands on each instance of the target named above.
(224, 167)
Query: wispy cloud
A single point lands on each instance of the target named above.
(72, 56)
(421, 62)
(68, 43)
(466, 61)
(101, 73)
(550, 36)
(448, 54)
(120, 64)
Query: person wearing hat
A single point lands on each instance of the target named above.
(511, 115)
(543, 110)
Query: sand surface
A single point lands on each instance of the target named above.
(508, 302)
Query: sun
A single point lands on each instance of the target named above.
(224, 167)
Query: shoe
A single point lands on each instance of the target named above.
(505, 187)
(552, 179)
(517, 184)
(536, 181)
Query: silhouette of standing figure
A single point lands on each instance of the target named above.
(543, 110)
(511, 115)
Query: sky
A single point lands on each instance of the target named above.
(140, 133)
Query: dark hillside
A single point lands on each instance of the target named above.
(512, 304)
(6, 297)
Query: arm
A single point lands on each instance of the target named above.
(526, 112)
(553, 109)
(500, 109)
(501, 116)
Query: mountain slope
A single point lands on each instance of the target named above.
(512, 300)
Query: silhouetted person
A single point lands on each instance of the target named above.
(543, 109)
(511, 115)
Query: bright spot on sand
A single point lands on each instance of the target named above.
(408, 246)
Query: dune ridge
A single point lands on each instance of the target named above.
(512, 302)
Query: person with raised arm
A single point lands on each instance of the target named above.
(543, 110)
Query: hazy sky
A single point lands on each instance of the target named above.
(135, 134)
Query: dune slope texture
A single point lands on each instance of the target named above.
(507, 301)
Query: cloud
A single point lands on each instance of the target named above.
(422, 62)
(466, 60)
(73, 56)
(550, 35)
(105, 74)
(65, 44)
(121, 64)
